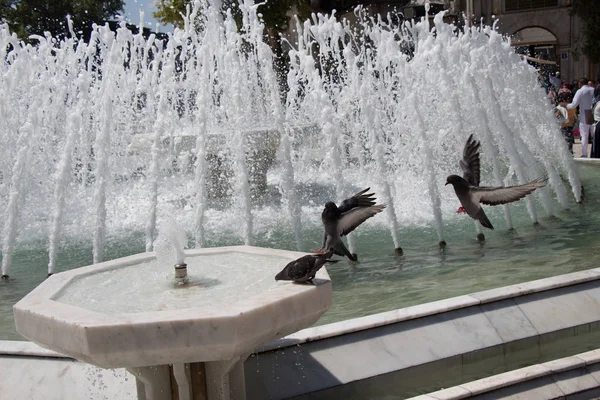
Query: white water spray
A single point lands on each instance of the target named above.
(132, 143)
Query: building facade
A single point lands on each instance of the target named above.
(542, 29)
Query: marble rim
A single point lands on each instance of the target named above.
(55, 285)
(587, 160)
(514, 377)
(431, 308)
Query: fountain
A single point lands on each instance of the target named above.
(106, 139)
(197, 328)
(172, 242)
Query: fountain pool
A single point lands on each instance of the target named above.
(101, 140)
(381, 281)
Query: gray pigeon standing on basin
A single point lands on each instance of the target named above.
(304, 269)
(471, 195)
(340, 221)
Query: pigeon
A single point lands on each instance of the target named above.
(340, 221)
(304, 269)
(471, 195)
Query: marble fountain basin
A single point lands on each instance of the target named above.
(130, 312)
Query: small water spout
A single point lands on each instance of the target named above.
(12, 210)
(289, 191)
(159, 127)
(242, 186)
(331, 132)
(200, 169)
(170, 243)
(509, 143)
(434, 193)
(388, 199)
(101, 149)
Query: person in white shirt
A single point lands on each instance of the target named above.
(584, 98)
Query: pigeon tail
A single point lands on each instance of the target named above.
(483, 219)
(341, 250)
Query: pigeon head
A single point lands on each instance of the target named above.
(330, 205)
(457, 181)
(282, 276)
(330, 212)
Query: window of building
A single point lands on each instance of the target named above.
(522, 5)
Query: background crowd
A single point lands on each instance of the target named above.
(577, 108)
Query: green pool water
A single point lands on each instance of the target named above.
(559, 244)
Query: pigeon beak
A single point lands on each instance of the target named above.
(446, 183)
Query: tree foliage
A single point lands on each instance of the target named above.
(274, 12)
(34, 17)
(589, 12)
(171, 11)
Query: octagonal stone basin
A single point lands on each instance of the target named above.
(130, 312)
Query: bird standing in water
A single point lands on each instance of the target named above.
(340, 221)
(471, 195)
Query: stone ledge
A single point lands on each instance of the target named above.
(587, 160)
(27, 349)
(461, 344)
(515, 377)
(432, 308)
(465, 335)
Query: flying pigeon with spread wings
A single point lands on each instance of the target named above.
(340, 221)
(471, 195)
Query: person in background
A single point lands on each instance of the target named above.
(595, 153)
(597, 93)
(574, 86)
(566, 117)
(552, 95)
(565, 91)
(584, 98)
(555, 81)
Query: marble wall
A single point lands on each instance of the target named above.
(424, 353)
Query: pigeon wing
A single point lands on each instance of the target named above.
(357, 216)
(503, 195)
(297, 269)
(470, 161)
(360, 199)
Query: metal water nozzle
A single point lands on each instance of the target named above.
(181, 271)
